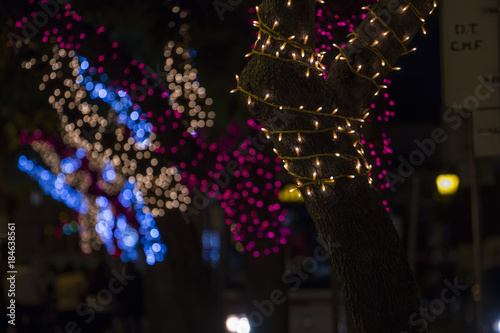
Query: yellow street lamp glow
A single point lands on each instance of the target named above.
(447, 184)
(288, 194)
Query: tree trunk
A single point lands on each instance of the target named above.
(317, 144)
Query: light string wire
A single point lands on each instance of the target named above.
(417, 13)
(373, 49)
(313, 180)
(315, 57)
(371, 79)
(299, 109)
(384, 61)
(308, 157)
(376, 17)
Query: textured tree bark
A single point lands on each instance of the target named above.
(366, 251)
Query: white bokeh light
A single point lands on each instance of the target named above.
(496, 325)
(243, 325)
(232, 322)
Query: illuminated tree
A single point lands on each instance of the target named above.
(133, 141)
(321, 143)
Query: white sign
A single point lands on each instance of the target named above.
(486, 132)
(469, 48)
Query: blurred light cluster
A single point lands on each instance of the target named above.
(187, 95)
(253, 212)
(105, 223)
(153, 248)
(54, 185)
(113, 229)
(127, 112)
(332, 27)
(238, 324)
(115, 147)
(210, 241)
(65, 227)
(70, 164)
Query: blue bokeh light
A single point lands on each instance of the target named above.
(54, 185)
(128, 112)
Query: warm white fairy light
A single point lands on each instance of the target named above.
(359, 164)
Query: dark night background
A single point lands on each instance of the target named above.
(187, 292)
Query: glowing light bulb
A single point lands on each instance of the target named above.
(447, 184)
